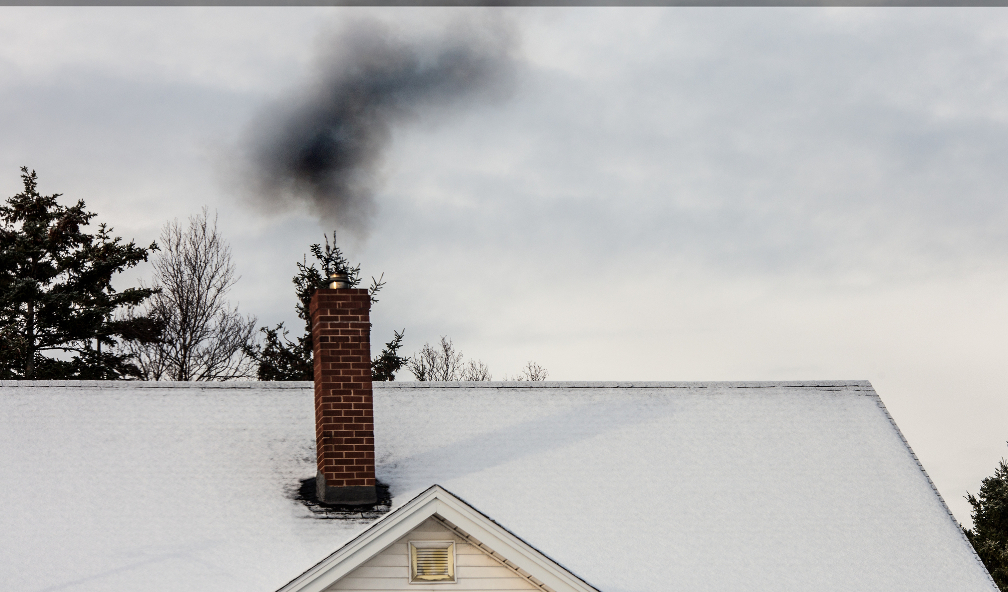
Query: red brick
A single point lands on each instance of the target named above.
(344, 425)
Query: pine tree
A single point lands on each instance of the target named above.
(989, 535)
(56, 293)
(385, 366)
(282, 359)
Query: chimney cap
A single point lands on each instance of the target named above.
(337, 280)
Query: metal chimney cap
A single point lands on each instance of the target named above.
(338, 281)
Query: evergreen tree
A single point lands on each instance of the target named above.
(989, 535)
(389, 361)
(56, 293)
(280, 358)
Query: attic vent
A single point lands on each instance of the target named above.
(432, 561)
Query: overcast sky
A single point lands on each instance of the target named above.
(646, 194)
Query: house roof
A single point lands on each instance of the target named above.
(630, 486)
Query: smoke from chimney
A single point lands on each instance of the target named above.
(323, 147)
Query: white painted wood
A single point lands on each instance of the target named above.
(389, 569)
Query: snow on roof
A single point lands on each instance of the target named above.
(631, 486)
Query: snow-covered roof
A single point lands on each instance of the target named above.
(630, 486)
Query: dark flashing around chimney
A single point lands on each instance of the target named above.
(305, 493)
(344, 417)
(346, 495)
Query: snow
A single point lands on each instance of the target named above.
(633, 487)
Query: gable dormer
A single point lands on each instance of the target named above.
(438, 543)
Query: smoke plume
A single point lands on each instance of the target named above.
(324, 146)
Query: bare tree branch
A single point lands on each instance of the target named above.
(532, 372)
(204, 338)
(475, 370)
(443, 362)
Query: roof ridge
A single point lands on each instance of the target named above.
(156, 384)
(548, 384)
(856, 385)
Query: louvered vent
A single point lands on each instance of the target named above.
(432, 561)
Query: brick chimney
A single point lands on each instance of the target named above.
(344, 417)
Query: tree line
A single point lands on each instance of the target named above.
(61, 318)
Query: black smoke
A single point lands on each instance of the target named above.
(323, 147)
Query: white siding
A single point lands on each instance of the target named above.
(474, 569)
